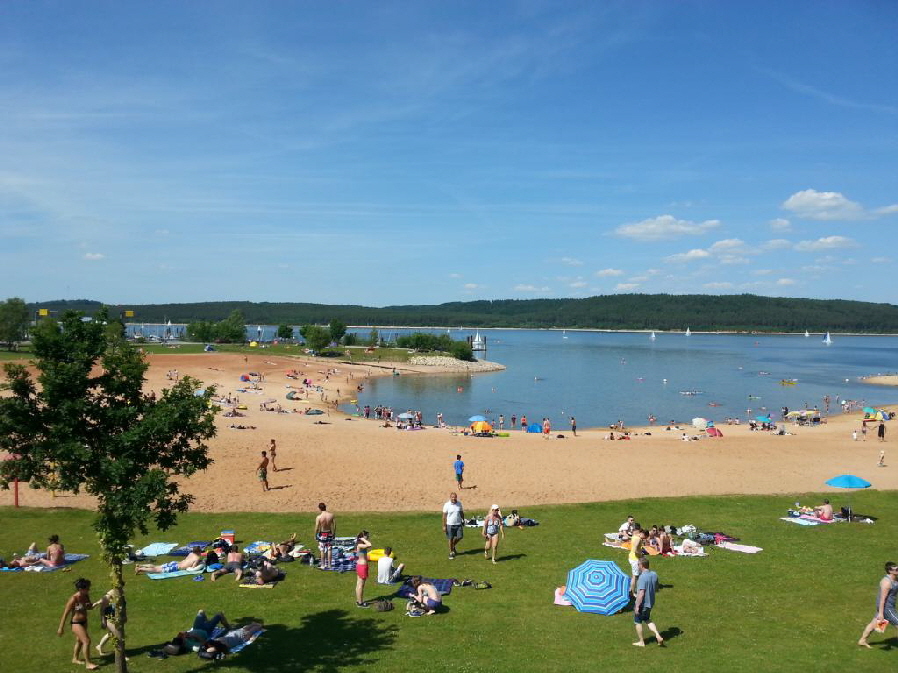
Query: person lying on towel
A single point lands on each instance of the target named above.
(192, 561)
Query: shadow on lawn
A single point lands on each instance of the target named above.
(325, 642)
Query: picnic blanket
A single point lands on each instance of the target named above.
(250, 582)
(744, 548)
(219, 632)
(443, 586)
(178, 573)
(69, 560)
(257, 547)
(800, 521)
(341, 561)
(346, 543)
(156, 549)
(187, 548)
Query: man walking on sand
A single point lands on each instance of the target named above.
(262, 472)
(646, 587)
(453, 522)
(325, 532)
(459, 466)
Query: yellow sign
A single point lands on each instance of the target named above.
(129, 314)
(43, 312)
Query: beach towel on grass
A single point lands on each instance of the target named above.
(346, 543)
(69, 560)
(187, 548)
(178, 573)
(156, 549)
(679, 549)
(816, 519)
(219, 632)
(744, 548)
(250, 582)
(257, 547)
(799, 521)
(443, 586)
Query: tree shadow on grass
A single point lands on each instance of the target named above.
(324, 642)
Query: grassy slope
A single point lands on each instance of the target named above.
(798, 606)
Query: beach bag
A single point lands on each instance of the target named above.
(382, 605)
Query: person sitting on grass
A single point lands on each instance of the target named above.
(267, 573)
(386, 573)
(427, 595)
(192, 561)
(234, 564)
(514, 519)
(824, 511)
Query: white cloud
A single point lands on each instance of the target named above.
(762, 272)
(733, 259)
(625, 287)
(776, 244)
(604, 273)
(730, 245)
(578, 284)
(813, 205)
(522, 287)
(887, 210)
(881, 260)
(664, 227)
(718, 286)
(471, 286)
(93, 256)
(638, 279)
(455, 275)
(696, 253)
(570, 261)
(780, 224)
(825, 243)
(785, 281)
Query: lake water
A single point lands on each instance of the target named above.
(601, 377)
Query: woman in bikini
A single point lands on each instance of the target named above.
(362, 545)
(493, 526)
(77, 607)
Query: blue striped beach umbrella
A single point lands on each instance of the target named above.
(474, 419)
(598, 586)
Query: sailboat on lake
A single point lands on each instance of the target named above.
(652, 336)
(688, 332)
(827, 339)
(806, 334)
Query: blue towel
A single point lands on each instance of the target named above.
(157, 549)
(219, 632)
(177, 573)
(187, 548)
(443, 586)
(69, 560)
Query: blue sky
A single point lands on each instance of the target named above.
(420, 152)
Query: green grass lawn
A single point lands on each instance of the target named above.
(800, 605)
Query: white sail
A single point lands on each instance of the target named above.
(564, 334)
(688, 332)
(652, 337)
(827, 339)
(806, 333)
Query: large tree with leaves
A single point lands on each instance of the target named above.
(13, 321)
(87, 424)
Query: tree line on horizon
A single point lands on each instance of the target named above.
(738, 313)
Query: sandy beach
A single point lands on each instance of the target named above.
(338, 459)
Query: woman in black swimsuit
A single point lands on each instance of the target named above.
(77, 606)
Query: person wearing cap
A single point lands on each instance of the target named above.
(493, 526)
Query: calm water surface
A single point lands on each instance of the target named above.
(602, 377)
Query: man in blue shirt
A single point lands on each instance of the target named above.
(459, 470)
(646, 586)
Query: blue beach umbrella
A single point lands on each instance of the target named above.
(848, 481)
(474, 419)
(598, 586)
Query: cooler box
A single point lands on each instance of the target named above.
(227, 535)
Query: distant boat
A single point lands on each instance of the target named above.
(806, 333)
(564, 334)
(478, 343)
(688, 332)
(652, 337)
(827, 339)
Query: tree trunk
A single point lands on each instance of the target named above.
(118, 586)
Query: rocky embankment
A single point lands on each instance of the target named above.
(448, 364)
